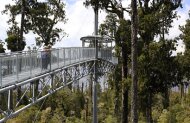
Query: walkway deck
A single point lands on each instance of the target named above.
(30, 63)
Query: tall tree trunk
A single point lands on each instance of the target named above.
(22, 21)
(19, 46)
(125, 106)
(117, 79)
(182, 93)
(149, 108)
(166, 99)
(124, 77)
(134, 115)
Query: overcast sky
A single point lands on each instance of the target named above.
(81, 23)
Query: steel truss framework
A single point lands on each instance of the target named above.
(40, 87)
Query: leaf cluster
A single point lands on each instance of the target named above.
(14, 43)
(2, 49)
(155, 17)
(156, 66)
(111, 6)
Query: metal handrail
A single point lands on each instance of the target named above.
(19, 66)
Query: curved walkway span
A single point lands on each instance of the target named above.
(34, 75)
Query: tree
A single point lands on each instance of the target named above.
(153, 15)
(111, 6)
(116, 7)
(44, 16)
(185, 58)
(40, 17)
(134, 26)
(15, 40)
(2, 50)
(156, 73)
(155, 18)
(109, 26)
(120, 31)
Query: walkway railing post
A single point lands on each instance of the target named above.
(1, 73)
(64, 56)
(70, 55)
(58, 56)
(17, 67)
(51, 59)
(30, 62)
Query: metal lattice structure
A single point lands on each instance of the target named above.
(25, 71)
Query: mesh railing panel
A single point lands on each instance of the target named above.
(16, 67)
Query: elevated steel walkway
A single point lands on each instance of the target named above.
(34, 75)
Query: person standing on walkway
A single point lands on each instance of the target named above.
(46, 57)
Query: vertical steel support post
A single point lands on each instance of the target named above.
(79, 54)
(41, 52)
(70, 55)
(58, 56)
(51, 59)
(51, 82)
(33, 92)
(82, 53)
(95, 68)
(64, 56)
(1, 73)
(64, 77)
(9, 100)
(83, 44)
(17, 67)
(30, 62)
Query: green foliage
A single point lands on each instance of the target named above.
(67, 101)
(164, 117)
(73, 120)
(110, 119)
(112, 6)
(141, 118)
(156, 66)
(96, 4)
(157, 107)
(156, 73)
(46, 115)
(181, 113)
(58, 116)
(155, 18)
(15, 10)
(44, 16)
(185, 58)
(2, 49)
(123, 35)
(14, 43)
(176, 113)
(185, 34)
(26, 116)
(40, 17)
(109, 26)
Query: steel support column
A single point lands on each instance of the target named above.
(95, 68)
